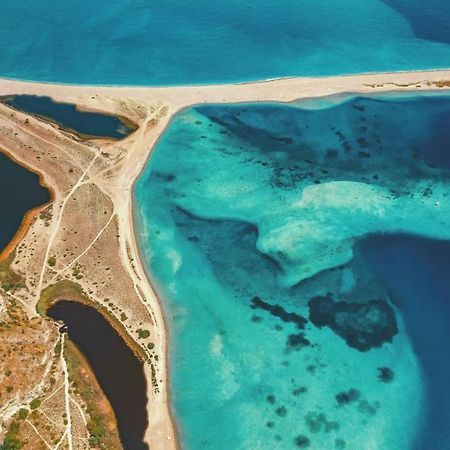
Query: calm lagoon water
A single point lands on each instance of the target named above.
(141, 42)
(68, 117)
(119, 373)
(275, 236)
(21, 191)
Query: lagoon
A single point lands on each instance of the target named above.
(68, 117)
(119, 372)
(21, 191)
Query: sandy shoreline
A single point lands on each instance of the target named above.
(280, 89)
(138, 104)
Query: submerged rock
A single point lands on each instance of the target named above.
(385, 374)
(317, 422)
(280, 312)
(344, 398)
(362, 325)
(302, 441)
(296, 342)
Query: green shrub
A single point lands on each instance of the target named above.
(143, 334)
(23, 413)
(35, 403)
(51, 261)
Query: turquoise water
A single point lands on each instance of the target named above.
(282, 335)
(141, 42)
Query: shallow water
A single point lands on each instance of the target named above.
(21, 191)
(202, 41)
(68, 117)
(119, 373)
(280, 335)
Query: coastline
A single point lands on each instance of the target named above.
(139, 253)
(162, 426)
(31, 213)
(278, 89)
(225, 83)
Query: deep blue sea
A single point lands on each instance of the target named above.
(299, 253)
(148, 42)
(416, 271)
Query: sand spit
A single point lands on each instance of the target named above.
(85, 236)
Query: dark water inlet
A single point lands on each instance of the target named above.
(20, 191)
(118, 371)
(416, 271)
(68, 117)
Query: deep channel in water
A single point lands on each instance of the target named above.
(67, 116)
(119, 372)
(416, 273)
(20, 191)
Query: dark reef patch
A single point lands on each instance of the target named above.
(302, 441)
(280, 312)
(301, 390)
(385, 374)
(297, 342)
(362, 325)
(346, 397)
(281, 411)
(317, 422)
(364, 407)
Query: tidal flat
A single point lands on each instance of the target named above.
(284, 332)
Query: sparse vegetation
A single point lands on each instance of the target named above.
(70, 290)
(52, 261)
(9, 280)
(35, 403)
(143, 334)
(63, 289)
(11, 441)
(23, 413)
(442, 83)
(102, 424)
(78, 251)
